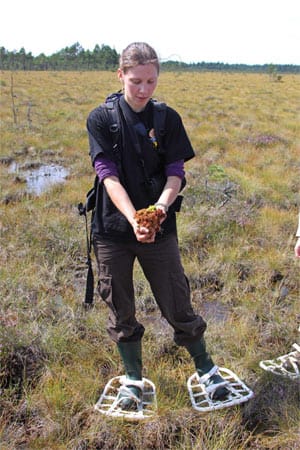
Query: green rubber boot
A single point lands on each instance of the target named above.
(204, 364)
(131, 355)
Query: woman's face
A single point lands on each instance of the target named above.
(139, 83)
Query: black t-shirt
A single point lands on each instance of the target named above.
(137, 160)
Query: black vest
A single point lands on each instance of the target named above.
(141, 171)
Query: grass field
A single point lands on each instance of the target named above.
(236, 233)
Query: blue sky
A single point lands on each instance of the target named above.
(229, 31)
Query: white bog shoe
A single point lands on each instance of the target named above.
(202, 396)
(287, 365)
(116, 390)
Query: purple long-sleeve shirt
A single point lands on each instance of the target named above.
(105, 168)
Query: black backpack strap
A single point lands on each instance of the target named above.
(89, 289)
(111, 105)
(159, 119)
(160, 111)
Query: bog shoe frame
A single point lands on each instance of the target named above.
(116, 390)
(201, 393)
(287, 365)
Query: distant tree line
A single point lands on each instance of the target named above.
(69, 58)
(103, 57)
(225, 67)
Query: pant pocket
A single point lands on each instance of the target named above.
(105, 288)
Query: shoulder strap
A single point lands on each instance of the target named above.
(159, 118)
(114, 119)
(89, 287)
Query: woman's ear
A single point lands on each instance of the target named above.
(120, 74)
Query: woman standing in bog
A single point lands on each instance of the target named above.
(146, 168)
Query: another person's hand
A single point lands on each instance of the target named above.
(297, 248)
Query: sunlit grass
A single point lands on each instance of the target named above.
(236, 234)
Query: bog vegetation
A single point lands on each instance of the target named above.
(236, 233)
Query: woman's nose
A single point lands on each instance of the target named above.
(143, 88)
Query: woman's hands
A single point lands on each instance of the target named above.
(145, 231)
(147, 223)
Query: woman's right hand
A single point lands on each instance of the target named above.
(143, 234)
